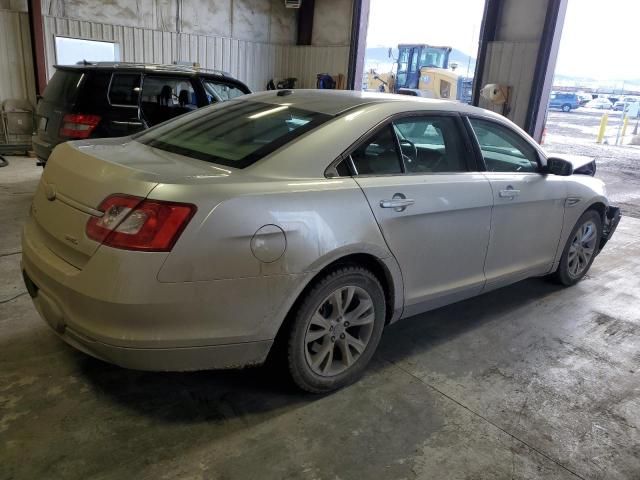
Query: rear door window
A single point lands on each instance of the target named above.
(378, 155)
(165, 97)
(125, 89)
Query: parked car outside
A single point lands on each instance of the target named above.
(297, 221)
(564, 101)
(623, 104)
(106, 99)
(600, 103)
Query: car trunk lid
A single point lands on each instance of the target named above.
(80, 175)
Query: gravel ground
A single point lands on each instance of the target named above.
(574, 133)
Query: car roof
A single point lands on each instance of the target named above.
(187, 70)
(336, 102)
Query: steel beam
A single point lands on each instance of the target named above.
(359, 27)
(490, 17)
(37, 45)
(545, 68)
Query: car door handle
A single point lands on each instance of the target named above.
(397, 203)
(509, 193)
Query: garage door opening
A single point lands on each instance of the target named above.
(422, 48)
(594, 108)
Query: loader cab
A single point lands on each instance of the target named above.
(411, 58)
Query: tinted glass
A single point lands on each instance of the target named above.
(378, 155)
(504, 150)
(165, 97)
(220, 92)
(343, 169)
(125, 89)
(431, 145)
(92, 96)
(235, 133)
(63, 87)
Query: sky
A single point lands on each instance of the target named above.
(599, 39)
(601, 42)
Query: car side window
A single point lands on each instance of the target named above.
(378, 155)
(165, 97)
(125, 89)
(504, 150)
(431, 144)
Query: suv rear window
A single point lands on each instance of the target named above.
(63, 87)
(235, 133)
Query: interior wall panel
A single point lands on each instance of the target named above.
(17, 78)
(510, 63)
(255, 63)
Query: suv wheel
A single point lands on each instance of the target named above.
(566, 107)
(336, 330)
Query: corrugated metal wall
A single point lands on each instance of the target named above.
(252, 62)
(16, 72)
(305, 63)
(509, 63)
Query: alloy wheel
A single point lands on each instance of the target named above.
(582, 249)
(339, 331)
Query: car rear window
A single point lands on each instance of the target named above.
(63, 87)
(235, 133)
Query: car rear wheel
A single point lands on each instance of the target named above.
(566, 108)
(336, 330)
(581, 249)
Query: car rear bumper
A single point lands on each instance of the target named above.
(235, 355)
(111, 311)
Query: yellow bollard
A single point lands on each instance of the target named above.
(624, 126)
(603, 127)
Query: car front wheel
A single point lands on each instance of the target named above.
(566, 108)
(581, 249)
(336, 329)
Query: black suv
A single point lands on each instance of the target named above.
(105, 99)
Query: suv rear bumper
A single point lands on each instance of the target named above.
(41, 148)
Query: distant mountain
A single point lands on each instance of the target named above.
(380, 55)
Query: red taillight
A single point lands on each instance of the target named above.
(78, 125)
(133, 223)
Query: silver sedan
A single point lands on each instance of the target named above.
(299, 222)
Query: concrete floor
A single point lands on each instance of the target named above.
(532, 381)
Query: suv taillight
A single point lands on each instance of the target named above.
(78, 125)
(133, 223)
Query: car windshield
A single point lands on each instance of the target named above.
(235, 133)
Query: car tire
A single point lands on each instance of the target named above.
(574, 263)
(566, 108)
(336, 329)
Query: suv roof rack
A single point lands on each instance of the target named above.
(151, 67)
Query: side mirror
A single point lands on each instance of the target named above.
(559, 166)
